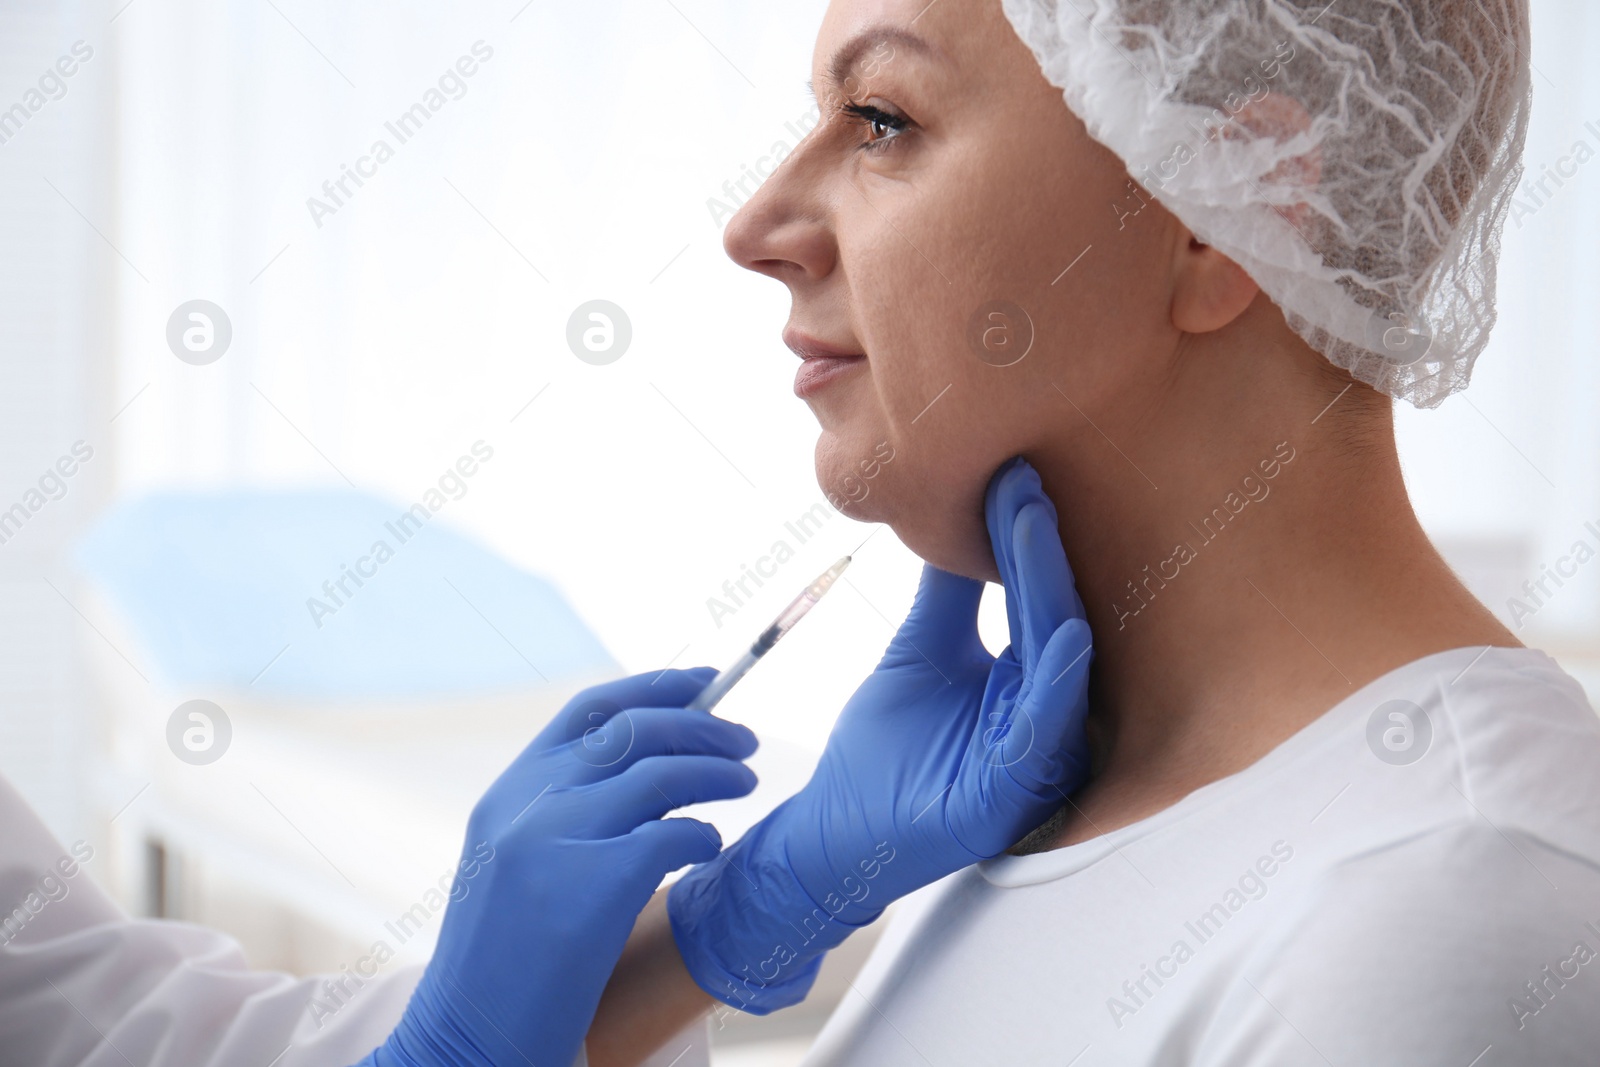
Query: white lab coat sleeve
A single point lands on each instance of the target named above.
(83, 985)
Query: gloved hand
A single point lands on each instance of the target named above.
(561, 855)
(944, 756)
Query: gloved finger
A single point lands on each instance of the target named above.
(634, 734)
(594, 705)
(672, 843)
(658, 784)
(1044, 590)
(942, 625)
(1047, 718)
(1023, 532)
(1006, 493)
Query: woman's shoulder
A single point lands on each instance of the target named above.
(1526, 740)
(1425, 951)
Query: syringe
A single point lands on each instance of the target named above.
(719, 686)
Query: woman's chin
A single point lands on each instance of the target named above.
(867, 479)
(952, 540)
(967, 556)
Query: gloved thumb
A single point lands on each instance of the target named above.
(942, 626)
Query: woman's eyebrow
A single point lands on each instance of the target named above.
(849, 54)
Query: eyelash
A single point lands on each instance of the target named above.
(869, 116)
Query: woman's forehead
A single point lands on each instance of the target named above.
(860, 32)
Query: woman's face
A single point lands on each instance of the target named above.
(950, 223)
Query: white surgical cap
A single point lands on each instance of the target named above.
(1356, 158)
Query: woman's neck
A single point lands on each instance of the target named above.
(1250, 559)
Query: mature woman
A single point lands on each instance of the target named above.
(1336, 813)
(1317, 805)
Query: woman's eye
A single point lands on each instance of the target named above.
(883, 127)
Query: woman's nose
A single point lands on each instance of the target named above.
(784, 231)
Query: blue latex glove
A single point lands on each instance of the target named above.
(561, 855)
(944, 756)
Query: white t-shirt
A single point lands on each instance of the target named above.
(1413, 879)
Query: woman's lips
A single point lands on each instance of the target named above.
(821, 363)
(817, 372)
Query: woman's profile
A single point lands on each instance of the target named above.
(1182, 259)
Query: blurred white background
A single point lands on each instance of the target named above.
(374, 344)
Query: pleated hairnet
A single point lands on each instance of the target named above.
(1356, 158)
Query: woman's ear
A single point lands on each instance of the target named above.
(1211, 290)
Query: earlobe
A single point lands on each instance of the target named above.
(1211, 291)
